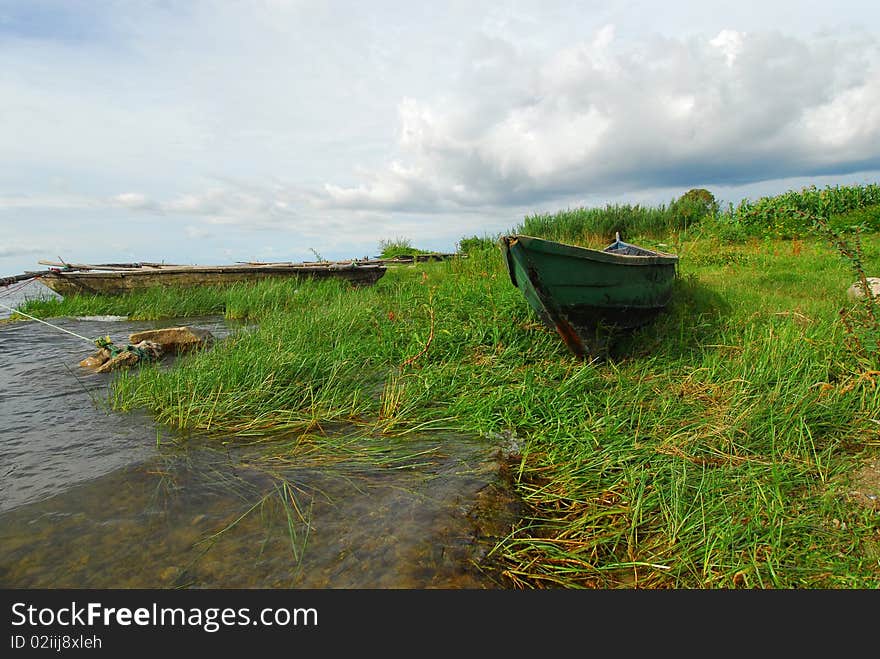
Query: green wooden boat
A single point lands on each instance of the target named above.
(587, 294)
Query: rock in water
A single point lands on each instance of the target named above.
(150, 345)
(857, 291)
(132, 355)
(174, 339)
(95, 360)
(124, 359)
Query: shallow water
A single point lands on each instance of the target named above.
(91, 498)
(203, 517)
(55, 425)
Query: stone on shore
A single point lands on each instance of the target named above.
(857, 291)
(174, 339)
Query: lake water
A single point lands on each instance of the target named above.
(93, 498)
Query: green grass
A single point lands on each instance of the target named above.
(713, 449)
(392, 248)
(237, 301)
(596, 225)
(696, 214)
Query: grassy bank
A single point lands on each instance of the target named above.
(717, 448)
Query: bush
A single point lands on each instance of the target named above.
(793, 213)
(693, 206)
(389, 249)
(866, 220)
(581, 225)
(726, 227)
(473, 244)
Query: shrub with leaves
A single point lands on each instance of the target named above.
(389, 249)
(860, 319)
(471, 244)
(693, 206)
(790, 215)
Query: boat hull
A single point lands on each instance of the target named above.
(121, 282)
(587, 295)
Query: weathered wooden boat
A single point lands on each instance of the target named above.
(119, 278)
(587, 295)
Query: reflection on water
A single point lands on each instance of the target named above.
(90, 498)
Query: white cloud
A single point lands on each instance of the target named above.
(596, 116)
(133, 200)
(337, 124)
(730, 43)
(849, 122)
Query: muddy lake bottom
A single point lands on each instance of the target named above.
(91, 498)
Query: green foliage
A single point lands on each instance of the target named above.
(588, 225)
(793, 213)
(471, 244)
(726, 227)
(788, 215)
(861, 319)
(692, 207)
(389, 249)
(585, 225)
(700, 196)
(865, 220)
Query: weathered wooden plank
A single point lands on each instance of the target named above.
(6, 281)
(106, 266)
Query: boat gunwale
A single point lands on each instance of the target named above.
(556, 248)
(116, 282)
(204, 270)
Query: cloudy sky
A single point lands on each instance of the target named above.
(220, 131)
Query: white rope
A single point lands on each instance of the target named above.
(79, 336)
